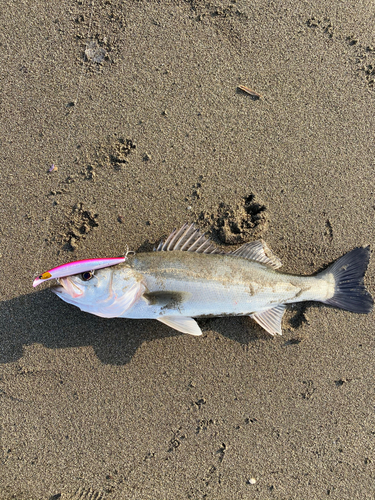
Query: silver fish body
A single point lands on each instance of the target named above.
(217, 285)
(190, 278)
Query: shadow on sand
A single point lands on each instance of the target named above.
(42, 318)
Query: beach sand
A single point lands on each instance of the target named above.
(137, 105)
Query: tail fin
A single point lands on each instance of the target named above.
(350, 291)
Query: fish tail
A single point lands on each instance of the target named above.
(348, 273)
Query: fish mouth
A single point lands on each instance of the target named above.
(67, 286)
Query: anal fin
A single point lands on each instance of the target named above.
(181, 324)
(270, 319)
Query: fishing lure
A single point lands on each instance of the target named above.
(83, 267)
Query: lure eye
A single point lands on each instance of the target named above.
(45, 276)
(87, 275)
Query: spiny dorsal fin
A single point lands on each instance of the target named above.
(188, 239)
(270, 319)
(259, 252)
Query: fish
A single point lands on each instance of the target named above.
(77, 267)
(188, 277)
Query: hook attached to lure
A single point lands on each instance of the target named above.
(78, 267)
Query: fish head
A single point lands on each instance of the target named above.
(100, 292)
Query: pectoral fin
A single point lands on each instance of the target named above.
(166, 299)
(182, 324)
(270, 319)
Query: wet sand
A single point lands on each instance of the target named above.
(137, 105)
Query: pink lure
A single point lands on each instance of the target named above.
(77, 267)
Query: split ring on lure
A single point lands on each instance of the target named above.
(78, 267)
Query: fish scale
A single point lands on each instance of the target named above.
(224, 285)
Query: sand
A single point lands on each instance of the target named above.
(137, 105)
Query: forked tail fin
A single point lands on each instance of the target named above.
(348, 272)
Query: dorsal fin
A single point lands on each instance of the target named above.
(259, 252)
(188, 239)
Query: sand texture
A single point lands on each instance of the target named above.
(137, 105)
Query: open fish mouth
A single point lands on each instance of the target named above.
(67, 286)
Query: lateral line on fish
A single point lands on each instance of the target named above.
(218, 279)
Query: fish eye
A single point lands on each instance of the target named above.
(87, 275)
